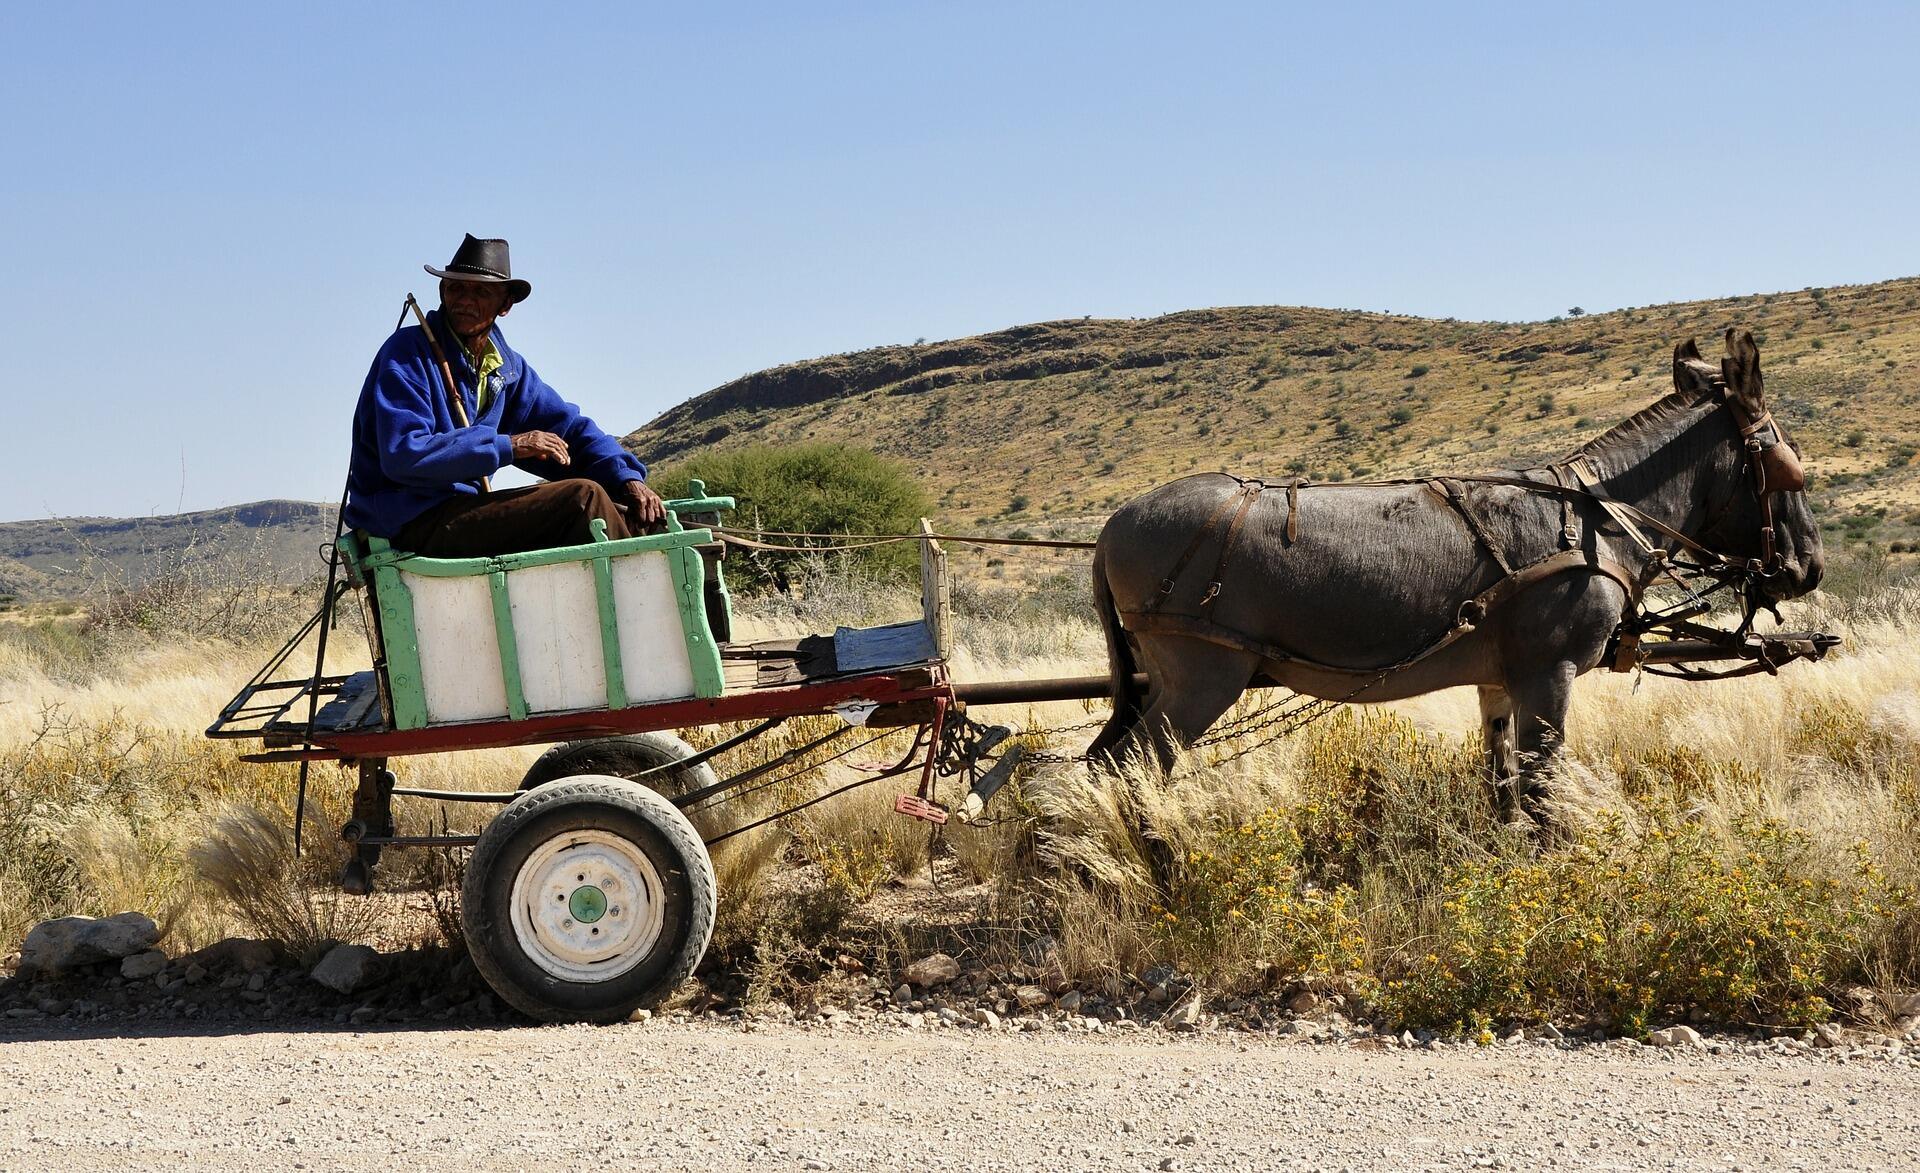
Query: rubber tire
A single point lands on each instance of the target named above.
(623, 757)
(628, 756)
(596, 802)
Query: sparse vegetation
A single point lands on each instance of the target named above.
(1741, 852)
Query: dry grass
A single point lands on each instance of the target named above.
(1740, 850)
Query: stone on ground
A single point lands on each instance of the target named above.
(1675, 1036)
(239, 953)
(141, 966)
(1185, 1016)
(1031, 997)
(55, 946)
(933, 970)
(346, 968)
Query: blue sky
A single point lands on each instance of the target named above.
(209, 213)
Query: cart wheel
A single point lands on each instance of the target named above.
(586, 899)
(626, 757)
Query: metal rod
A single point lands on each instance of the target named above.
(418, 841)
(712, 751)
(1059, 688)
(785, 759)
(725, 835)
(458, 795)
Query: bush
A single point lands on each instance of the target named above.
(810, 488)
(1638, 928)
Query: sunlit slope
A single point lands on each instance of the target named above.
(1060, 421)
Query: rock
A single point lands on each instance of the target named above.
(902, 994)
(1301, 1029)
(239, 953)
(142, 966)
(1069, 1001)
(196, 974)
(986, 1018)
(55, 946)
(1829, 1034)
(933, 970)
(1185, 1016)
(1675, 1036)
(1031, 997)
(1304, 1002)
(641, 1015)
(1905, 1005)
(346, 968)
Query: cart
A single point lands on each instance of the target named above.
(590, 894)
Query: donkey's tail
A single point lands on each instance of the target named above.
(1128, 702)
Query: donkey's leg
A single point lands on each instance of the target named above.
(1539, 729)
(1503, 765)
(1193, 683)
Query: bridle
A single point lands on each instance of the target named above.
(1772, 466)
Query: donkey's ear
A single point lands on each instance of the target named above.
(1741, 368)
(1691, 374)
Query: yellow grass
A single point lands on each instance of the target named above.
(1358, 850)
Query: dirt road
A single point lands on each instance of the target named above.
(697, 1095)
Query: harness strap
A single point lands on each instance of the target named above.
(1569, 535)
(1193, 547)
(1293, 510)
(1455, 495)
(1579, 467)
(1249, 493)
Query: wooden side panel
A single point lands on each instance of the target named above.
(556, 622)
(653, 647)
(460, 669)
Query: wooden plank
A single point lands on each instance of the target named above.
(936, 592)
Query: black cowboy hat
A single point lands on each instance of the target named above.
(483, 260)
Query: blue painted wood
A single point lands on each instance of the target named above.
(861, 649)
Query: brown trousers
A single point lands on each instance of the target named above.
(536, 517)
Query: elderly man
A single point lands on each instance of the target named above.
(419, 462)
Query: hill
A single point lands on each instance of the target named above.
(65, 556)
(1059, 422)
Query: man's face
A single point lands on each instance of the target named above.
(473, 305)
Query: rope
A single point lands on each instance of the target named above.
(863, 541)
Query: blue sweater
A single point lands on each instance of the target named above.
(408, 456)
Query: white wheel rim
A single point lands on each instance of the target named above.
(587, 906)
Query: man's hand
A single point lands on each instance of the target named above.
(648, 509)
(542, 446)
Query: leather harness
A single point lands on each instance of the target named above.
(1573, 480)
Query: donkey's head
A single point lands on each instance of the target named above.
(1760, 512)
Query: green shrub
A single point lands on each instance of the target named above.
(809, 488)
(1635, 928)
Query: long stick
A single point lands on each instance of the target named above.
(455, 404)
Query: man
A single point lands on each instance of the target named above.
(418, 462)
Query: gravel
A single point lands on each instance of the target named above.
(871, 1094)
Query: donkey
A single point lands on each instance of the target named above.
(1514, 583)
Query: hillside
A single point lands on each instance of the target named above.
(65, 556)
(1058, 422)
